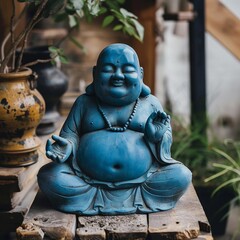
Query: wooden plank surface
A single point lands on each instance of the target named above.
(20, 183)
(186, 221)
(9, 179)
(222, 24)
(16, 179)
(9, 201)
(129, 227)
(10, 220)
(44, 222)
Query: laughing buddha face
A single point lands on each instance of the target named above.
(118, 77)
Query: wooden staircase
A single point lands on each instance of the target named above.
(222, 24)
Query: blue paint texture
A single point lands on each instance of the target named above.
(112, 155)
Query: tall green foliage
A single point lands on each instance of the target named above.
(227, 167)
(190, 147)
(71, 12)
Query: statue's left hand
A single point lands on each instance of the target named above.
(156, 125)
(60, 150)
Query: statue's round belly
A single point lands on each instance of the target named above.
(113, 156)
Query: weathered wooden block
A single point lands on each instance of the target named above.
(16, 179)
(93, 233)
(10, 220)
(129, 227)
(28, 230)
(54, 224)
(10, 200)
(186, 221)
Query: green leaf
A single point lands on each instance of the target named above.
(117, 14)
(77, 4)
(72, 21)
(131, 26)
(112, 5)
(53, 62)
(77, 43)
(231, 181)
(93, 7)
(102, 10)
(107, 20)
(80, 13)
(118, 27)
(229, 168)
(129, 30)
(63, 59)
(216, 175)
(127, 14)
(121, 1)
(60, 51)
(226, 156)
(58, 54)
(69, 9)
(53, 49)
(237, 149)
(139, 28)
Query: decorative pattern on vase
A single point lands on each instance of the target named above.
(21, 109)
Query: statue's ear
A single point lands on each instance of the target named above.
(94, 72)
(145, 90)
(90, 89)
(142, 72)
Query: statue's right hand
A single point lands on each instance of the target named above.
(60, 150)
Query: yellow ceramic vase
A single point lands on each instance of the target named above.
(21, 109)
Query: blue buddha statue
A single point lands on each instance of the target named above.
(112, 155)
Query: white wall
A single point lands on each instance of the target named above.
(222, 76)
(172, 71)
(223, 84)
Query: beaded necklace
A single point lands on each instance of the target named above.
(125, 126)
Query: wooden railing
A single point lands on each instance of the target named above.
(222, 24)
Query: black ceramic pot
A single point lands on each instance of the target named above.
(52, 83)
(216, 207)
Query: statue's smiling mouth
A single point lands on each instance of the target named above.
(117, 83)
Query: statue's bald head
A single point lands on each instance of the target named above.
(116, 50)
(118, 76)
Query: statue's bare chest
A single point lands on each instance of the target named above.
(95, 119)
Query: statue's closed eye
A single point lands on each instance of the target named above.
(129, 69)
(108, 69)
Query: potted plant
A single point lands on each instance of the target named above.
(227, 173)
(228, 167)
(191, 147)
(21, 105)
